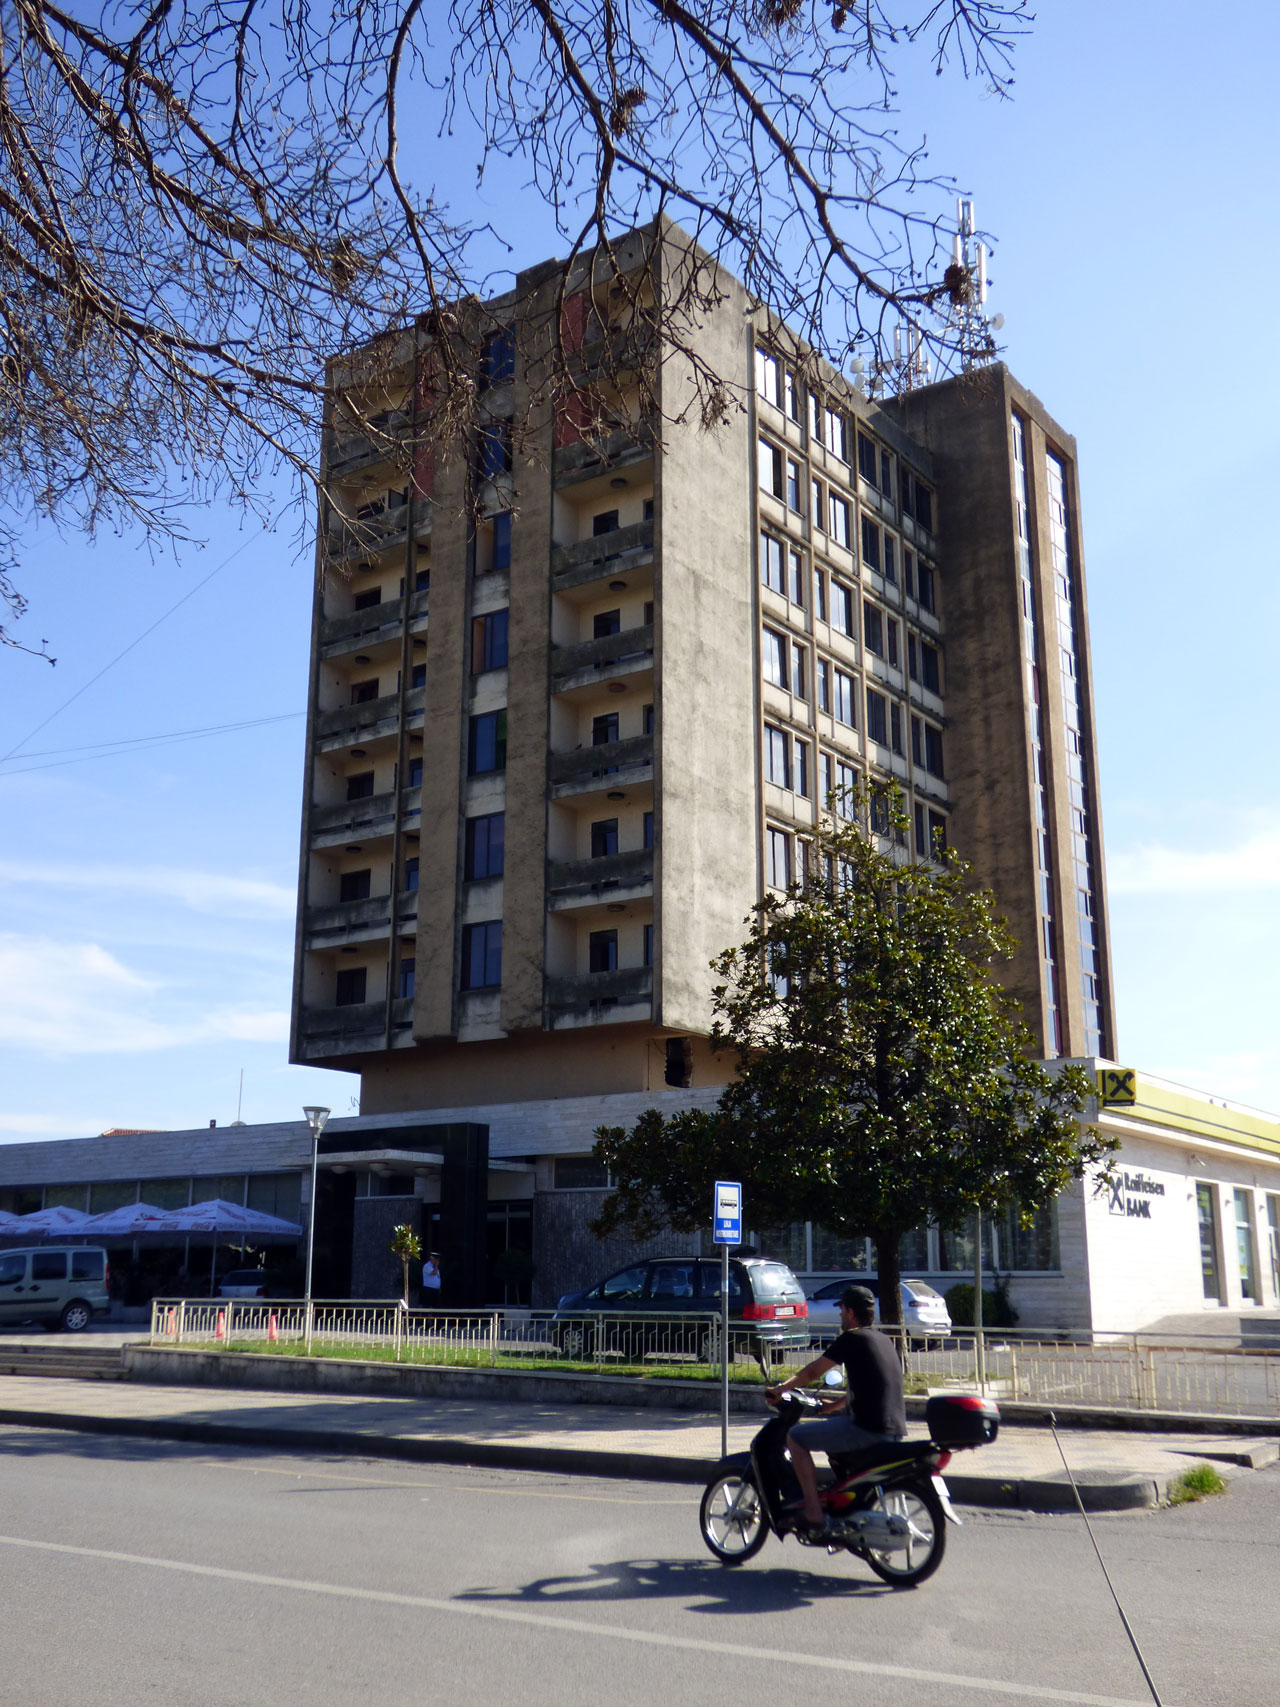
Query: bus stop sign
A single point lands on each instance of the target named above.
(727, 1213)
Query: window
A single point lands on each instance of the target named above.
(406, 978)
(836, 436)
(793, 484)
(602, 951)
(895, 727)
(791, 396)
(799, 656)
(824, 684)
(604, 729)
(482, 955)
(349, 986)
(767, 376)
(777, 757)
(891, 641)
(926, 746)
(1245, 1246)
(648, 509)
(771, 559)
(871, 544)
(648, 829)
(839, 528)
(777, 858)
(817, 508)
(867, 458)
(909, 572)
(604, 838)
(769, 467)
(846, 788)
(878, 811)
(48, 1265)
(820, 595)
(354, 885)
(489, 642)
(415, 773)
(646, 720)
(917, 499)
(937, 835)
(648, 945)
(495, 449)
(579, 1173)
(877, 717)
(774, 649)
(418, 676)
(844, 699)
(825, 781)
(606, 622)
(411, 873)
(795, 577)
(605, 522)
(890, 558)
(872, 629)
(929, 673)
(360, 787)
(842, 608)
(800, 769)
(886, 475)
(1207, 1216)
(498, 357)
(925, 588)
(483, 841)
(363, 692)
(487, 743)
(502, 540)
(368, 599)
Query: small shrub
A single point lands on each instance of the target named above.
(1197, 1483)
(997, 1306)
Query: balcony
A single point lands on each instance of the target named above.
(363, 722)
(350, 452)
(593, 661)
(347, 538)
(613, 764)
(343, 1031)
(362, 627)
(581, 882)
(372, 816)
(619, 449)
(607, 554)
(360, 921)
(594, 998)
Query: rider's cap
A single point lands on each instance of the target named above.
(859, 1297)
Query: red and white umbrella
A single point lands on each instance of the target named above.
(219, 1216)
(126, 1221)
(59, 1219)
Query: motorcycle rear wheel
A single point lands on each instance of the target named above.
(732, 1518)
(920, 1509)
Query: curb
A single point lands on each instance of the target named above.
(1100, 1490)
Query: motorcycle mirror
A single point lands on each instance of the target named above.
(833, 1378)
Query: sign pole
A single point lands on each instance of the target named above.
(726, 1230)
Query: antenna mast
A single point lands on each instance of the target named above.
(966, 283)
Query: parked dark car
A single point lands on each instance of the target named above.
(767, 1309)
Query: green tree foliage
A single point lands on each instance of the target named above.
(882, 1078)
(406, 1245)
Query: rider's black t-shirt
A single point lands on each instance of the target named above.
(874, 1378)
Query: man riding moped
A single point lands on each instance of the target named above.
(873, 1411)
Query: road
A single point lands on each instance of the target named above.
(132, 1572)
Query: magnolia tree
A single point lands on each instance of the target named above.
(406, 1245)
(882, 1079)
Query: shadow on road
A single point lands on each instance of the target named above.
(701, 1585)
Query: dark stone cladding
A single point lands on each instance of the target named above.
(566, 1253)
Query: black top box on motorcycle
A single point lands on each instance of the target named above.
(961, 1420)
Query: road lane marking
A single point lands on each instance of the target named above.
(580, 1626)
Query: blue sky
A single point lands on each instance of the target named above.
(146, 901)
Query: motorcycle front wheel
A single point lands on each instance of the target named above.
(915, 1514)
(732, 1518)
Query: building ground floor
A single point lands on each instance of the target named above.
(1187, 1223)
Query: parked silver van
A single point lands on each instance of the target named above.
(62, 1284)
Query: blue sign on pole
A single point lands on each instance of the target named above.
(726, 1216)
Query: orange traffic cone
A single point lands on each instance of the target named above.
(273, 1327)
(171, 1324)
(220, 1332)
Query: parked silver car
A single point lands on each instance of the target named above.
(62, 1285)
(924, 1311)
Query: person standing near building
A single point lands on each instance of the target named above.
(431, 1279)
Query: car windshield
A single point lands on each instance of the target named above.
(773, 1280)
(920, 1289)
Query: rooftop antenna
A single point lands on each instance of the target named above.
(966, 284)
(239, 1100)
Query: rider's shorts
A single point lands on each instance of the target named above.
(838, 1434)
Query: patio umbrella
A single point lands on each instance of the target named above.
(9, 1224)
(128, 1220)
(218, 1216)
(59, 1219)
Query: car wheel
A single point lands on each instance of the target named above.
(76, 1317)
(732, 1518)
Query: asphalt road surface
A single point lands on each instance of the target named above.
(134, 1572)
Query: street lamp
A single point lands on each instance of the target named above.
(316, 1118)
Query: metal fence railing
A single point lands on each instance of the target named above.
(1120, 1371)
(689, 1343)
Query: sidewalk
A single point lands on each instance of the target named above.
(1115, 1471)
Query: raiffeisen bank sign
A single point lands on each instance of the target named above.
(1131, 1194)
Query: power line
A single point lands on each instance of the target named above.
(57, 712)
(143, 743)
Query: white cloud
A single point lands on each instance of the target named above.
(77, 999)
(1251, 864)
(50, 1125)
(201, 891)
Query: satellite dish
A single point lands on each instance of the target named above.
(997, 323)
(857, 365)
